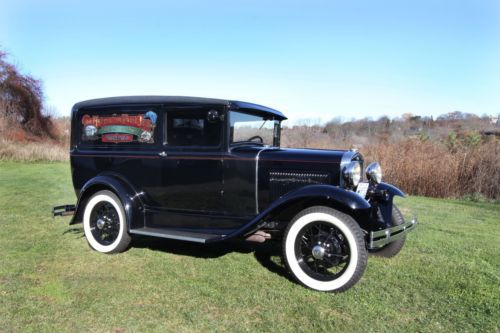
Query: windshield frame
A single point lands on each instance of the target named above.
(265, 117)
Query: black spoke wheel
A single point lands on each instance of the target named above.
(105, 223)
(324, 249)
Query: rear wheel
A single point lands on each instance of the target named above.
(324, 249)
(105, 224)
(393, 248)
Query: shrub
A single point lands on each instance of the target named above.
(21, 101)
(431, 169)
(461, 165)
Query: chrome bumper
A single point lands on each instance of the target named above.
(386, 236)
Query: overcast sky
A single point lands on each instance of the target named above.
(309, 59)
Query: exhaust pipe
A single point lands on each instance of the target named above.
(258, 237)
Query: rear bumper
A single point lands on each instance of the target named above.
(383, 237)
(65, 210)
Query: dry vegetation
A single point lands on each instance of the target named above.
(32, 151)
(429, 168)
(447, 157)
(27, 131)
(21, 102)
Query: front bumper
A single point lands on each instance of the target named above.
(383, 237)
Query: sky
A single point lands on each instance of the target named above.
(309, 59)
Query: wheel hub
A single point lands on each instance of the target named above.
(326, 248)
(318, 252)
(100, 224)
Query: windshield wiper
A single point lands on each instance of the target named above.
(265, 121)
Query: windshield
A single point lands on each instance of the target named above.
(248, 128)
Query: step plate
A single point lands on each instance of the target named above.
(176, 234)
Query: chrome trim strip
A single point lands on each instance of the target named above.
(178, 237)
(386, 236)
(257, 179)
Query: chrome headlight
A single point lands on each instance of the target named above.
(352, 174)
(374, 172)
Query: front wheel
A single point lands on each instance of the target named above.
(324, 249)
(105, 223)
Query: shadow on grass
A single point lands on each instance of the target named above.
(75, 231)
(268, 254)
(264, 253)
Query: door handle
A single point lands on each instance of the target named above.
(162, 154)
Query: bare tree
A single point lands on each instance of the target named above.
(21, 100)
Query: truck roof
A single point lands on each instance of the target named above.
(233, 105)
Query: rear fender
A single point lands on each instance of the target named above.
(130, 198)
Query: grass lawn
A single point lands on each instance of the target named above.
(447, 277)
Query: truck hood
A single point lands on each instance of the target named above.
(308, 156)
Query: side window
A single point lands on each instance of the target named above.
(119, 127)
(201, 128)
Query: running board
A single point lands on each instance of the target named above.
(176, 234)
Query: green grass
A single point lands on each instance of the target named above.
(446, 278)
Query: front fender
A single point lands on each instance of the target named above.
(382, 199)
(391, 189)
(349, 199)
(340, 197)
(130, 198)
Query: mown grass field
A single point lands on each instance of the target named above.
(446, 279)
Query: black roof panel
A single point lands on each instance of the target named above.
(235, 105)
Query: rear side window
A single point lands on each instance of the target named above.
(198, 128)
(118, 127)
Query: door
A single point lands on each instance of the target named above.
(191, 192)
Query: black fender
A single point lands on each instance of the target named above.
(349, 200)
(384, 198)
(130, 198)
(391, 190)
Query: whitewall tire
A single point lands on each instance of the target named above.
(324, 249)
(105, 223)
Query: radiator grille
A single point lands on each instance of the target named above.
(282, 182)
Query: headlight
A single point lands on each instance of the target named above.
(352, 174)
(374, 172)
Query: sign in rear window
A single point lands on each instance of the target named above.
(119, 128)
